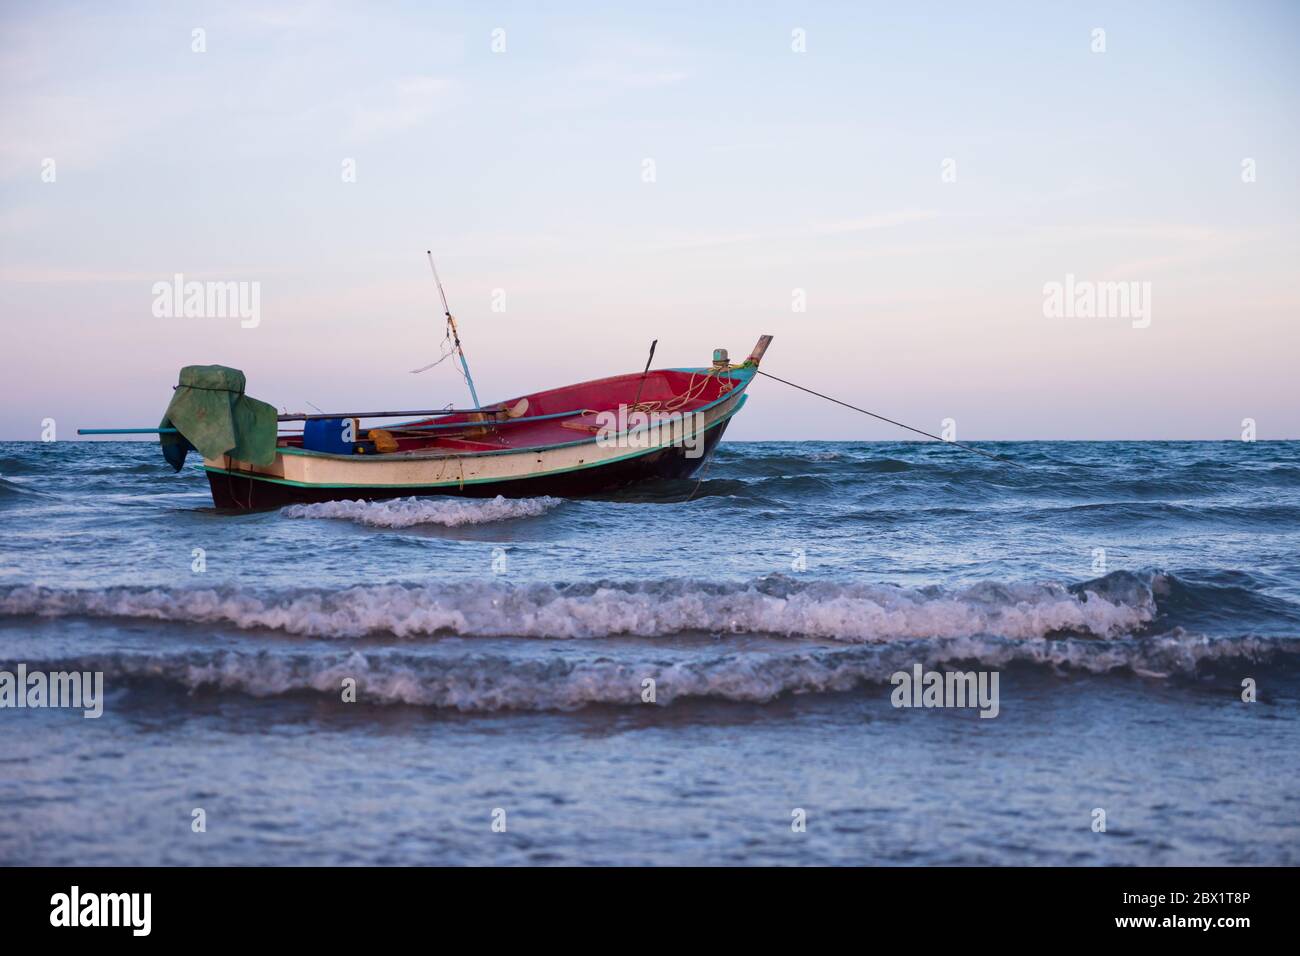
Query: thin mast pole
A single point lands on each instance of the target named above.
(640, 385)
(455, 336)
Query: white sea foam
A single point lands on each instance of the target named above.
(409, 512)
(494, 682)
(855, 613)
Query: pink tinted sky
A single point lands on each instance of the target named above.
(775, 170)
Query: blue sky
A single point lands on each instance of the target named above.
(775, 171)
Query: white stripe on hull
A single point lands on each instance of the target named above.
(426, 469)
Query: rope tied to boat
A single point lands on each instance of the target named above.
(692, 393)
(946, 441)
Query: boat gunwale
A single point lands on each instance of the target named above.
(262, 476)
(746, 377)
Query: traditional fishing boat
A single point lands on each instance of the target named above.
(570, 441)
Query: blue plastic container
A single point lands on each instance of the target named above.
(327, 435)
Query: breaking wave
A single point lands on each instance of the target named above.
(410, 512)
(1117, 605)
(478, 683)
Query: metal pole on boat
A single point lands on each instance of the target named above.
(455, 336)
(640, 385)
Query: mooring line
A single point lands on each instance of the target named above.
(946, 441)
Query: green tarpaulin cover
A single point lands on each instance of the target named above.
(215, 417)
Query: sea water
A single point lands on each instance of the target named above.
(685, 672)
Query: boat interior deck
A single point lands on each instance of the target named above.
(555, 416)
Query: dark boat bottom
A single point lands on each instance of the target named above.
(245, 494)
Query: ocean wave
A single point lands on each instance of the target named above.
(18, 466)
(1105, 477)
(820, 461)
(1164, 513)
(15, 490)
(677, 490)
(477, 683)
(777, 605)
(410, 512)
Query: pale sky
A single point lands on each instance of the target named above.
(774, 170)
